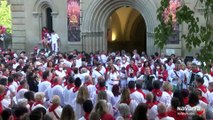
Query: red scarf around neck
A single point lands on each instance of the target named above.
(195, 71)
(88, 83)
(162, 115)
(157, 92)
(169, 92)
(202, 88)
(54, 84)
(150, 104)
(140, 91)
(20, 87)
(53, 107)
(38, 102)
(204, 100)
(132, 90)
(75, 89)
(86, 116)
(69, 86)
(100, 89)
(1, 98)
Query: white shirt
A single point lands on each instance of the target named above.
(165, 98)
(54, 38)
(152, 112)
(138, 97)
(58, 111)
(79, 112)
(57, 90)
(110, 97)
(42, 86)
(66, 95)
(96, 75)
(175, 75)
(113, 78)
(165, 118)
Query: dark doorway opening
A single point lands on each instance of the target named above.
(49, 21)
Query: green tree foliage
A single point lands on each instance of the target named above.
(196, 37)
(5, 15)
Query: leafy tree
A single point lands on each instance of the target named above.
(196, 37)
(5, 15)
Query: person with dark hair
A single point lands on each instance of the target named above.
(3, 81)
(185, 95)
(202, 99)
(19, 112)
(173, 112)
(67, 90)
(45, 83)
(30, 98)
(178, 95)
(194, 106)
(87, 107)
(32, 81)
(140, 112)
(68, 113)
(197, 117)
(7, 114)
(132, 69)
(134, 94)
(199, 83)
(35, 115)
(116, 92)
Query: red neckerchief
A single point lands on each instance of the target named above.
(97, 86)
(140, 91)
(201, 112)
(211, 73)
(192, 105)
(204, 100)
(54, 84)
(128, 117)
(195, 71)
(185, 100)
(175, 69)
(157, 92)
(1, 98)
(53, 107)
(132, 90)
(31, 102)
(88, 83)
(38, 102)
(69, 86)
(150, 104)
(162, 115)
(168, 91)
(86, 116)
(17, 82)
(202, 88)
(20, 87)
(211, 91)
(127, 101)
(100, 89)
(75, 89)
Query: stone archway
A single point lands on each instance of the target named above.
(94, 28)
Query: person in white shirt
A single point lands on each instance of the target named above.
(55, 109)
(162, 113)
(177, 76)
(45, 83)
(170, 65)
(124, 112)
(134, 94)
(96, 73)
(74, 91)
(152, 107)
(126, 98)
(56, 89)
(77, 103)
(55, 41)
(112, 77)
(88, 82)
(84, 72)
(39, 101)
(87, 107)
(67, 90)
(163, 59)
(210, 94)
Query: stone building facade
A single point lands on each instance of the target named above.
(28, 18)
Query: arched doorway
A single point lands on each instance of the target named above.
(126, 27)
(95, 21)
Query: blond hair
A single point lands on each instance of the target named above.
(82, 95)
(149, 97)
(56, 99)
(102, 95)
(167, 86)
(101, 107)
(125, 96)
(39, 96)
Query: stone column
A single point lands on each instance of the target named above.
(151, 48)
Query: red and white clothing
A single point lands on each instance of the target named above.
(66, 94)
(152, 110)
(162, 97)
(91, 88)
(131, 103)
(55, 111)
(43, 86)
(20, 94)
(113, 79)
(204, 90)
(73, 94)
(56, 89)
(175, 76)
(170, 66)
(164, 116)
(37, 105)
(79, 112)
(210, 98)
(131, 69)
(96, 74)
(137, 96)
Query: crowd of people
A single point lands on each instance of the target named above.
(103, 86)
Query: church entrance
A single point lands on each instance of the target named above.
(126, 30)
